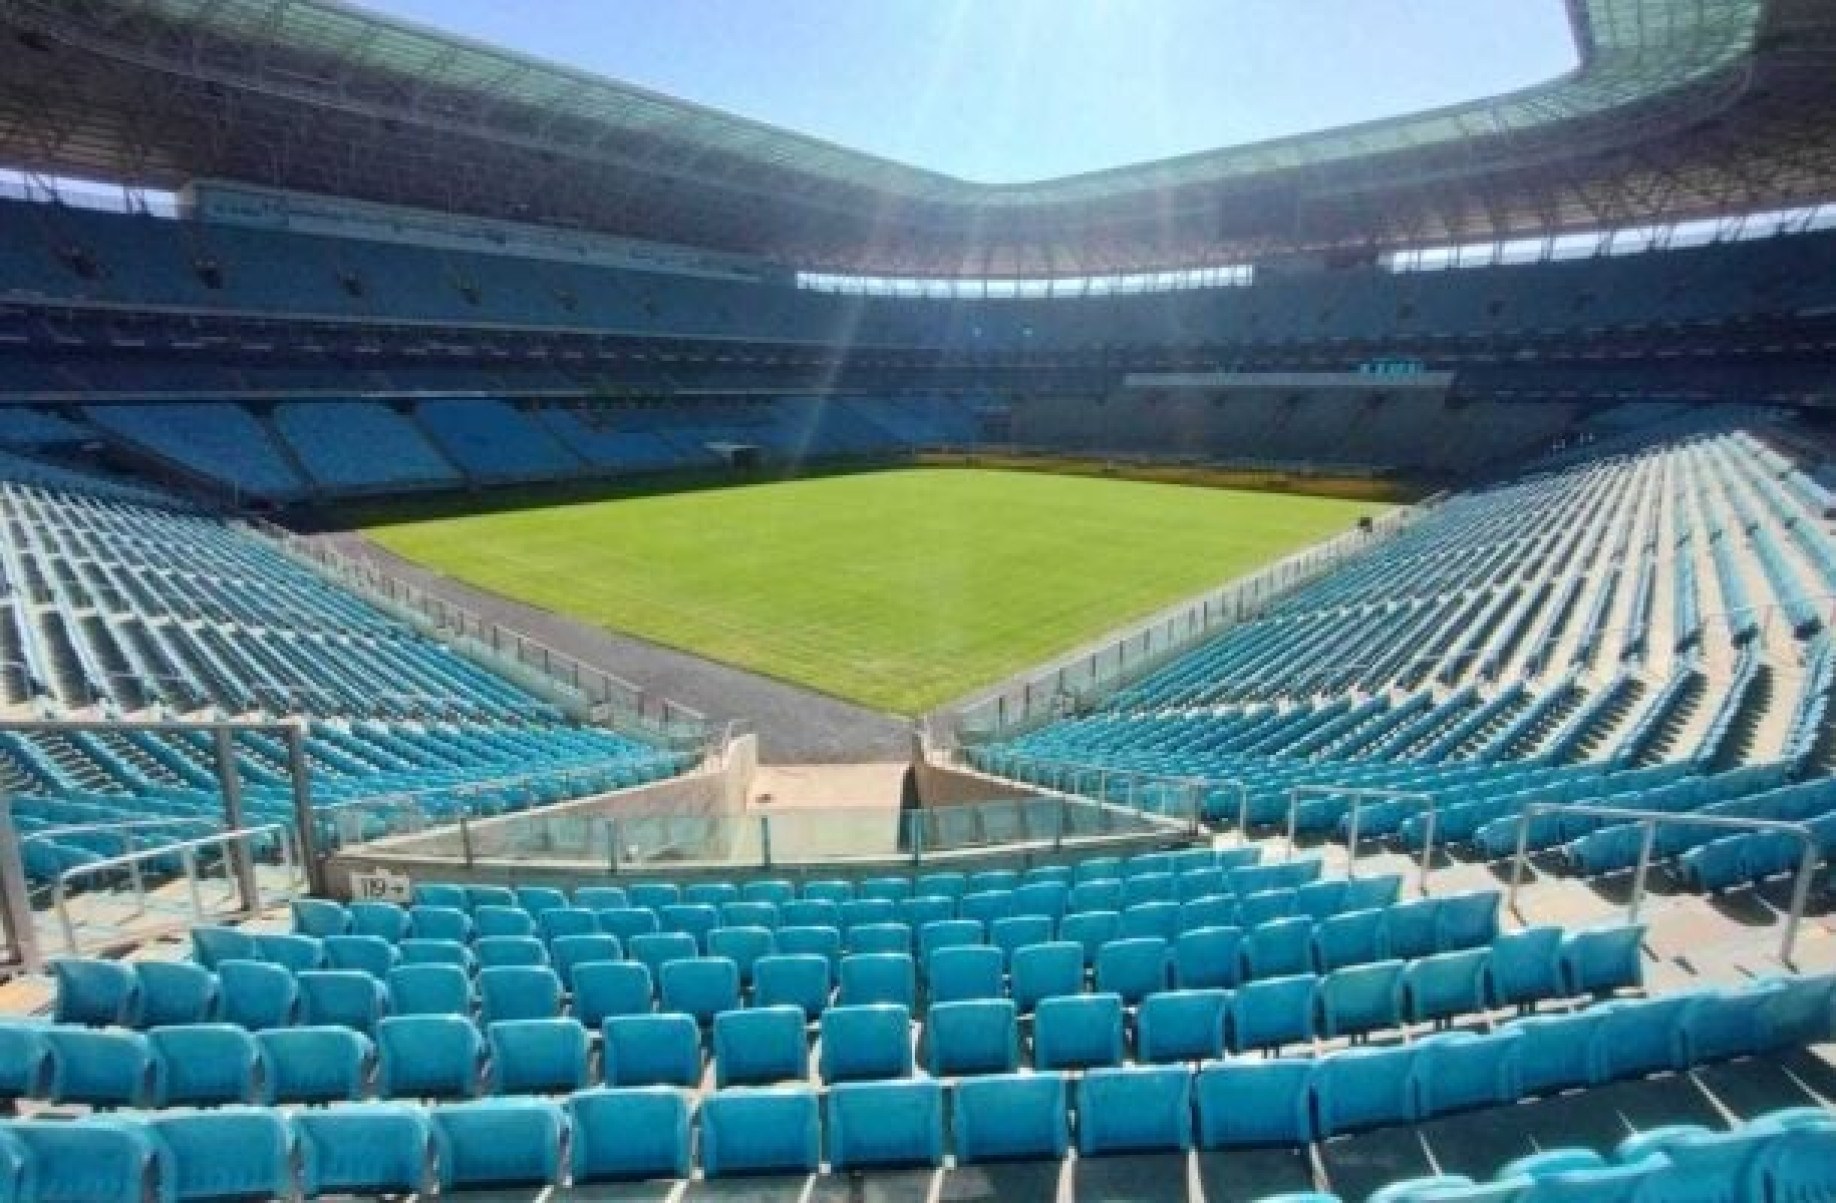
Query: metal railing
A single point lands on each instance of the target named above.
(1075, 777)
(1650, 821)
(246, 840)
(1359, 795)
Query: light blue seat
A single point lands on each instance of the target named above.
(236, 1153)
(429, 990)
(1139, 1110)
(517, 992)
(539, 900)
(1351, 938)
(1702, 1166)
(493, 951)
(1207, 958)
(1466, 920)
(760, 1046)
(257, 995)
(341, 998)
(694, 920)
(1007, 879)
(565, 921)
(744, 946)
(1455, 1071)
(974, 971)
(100, 1160)
(428, 1057)
(601, 898)
(1795, 1009)
(1318, 899)
(660, 948)
(211, 946)
(1278, 948)
(1445, 985)
(1181, 1025)
(365, 954)
(1558, 1052)
(769, 1130)
(567, 953)
(1080, 1031)
(503, 921)
(1247, 1104)
(1525, 968)
(948, 933)
(654, 895)
(625, 1134)
(865, 1042)
(366, 1149)
(1090, 930)
(878, 977)
(537, 1056)
(1274, 1011)
(314, 1065)
(1042, 971)
(701, 987)
(22, 1061)
(887, 889)
(1411, 929)
(867, 912)
(628, 922)
(810, 912)
(1365, 1087)
(1045, 899)
(1016, 932)
(1147, 887)
(974, 1036)
(1641, 1036)
(799, 980)
(651, 1050)
(93, 991)
(319, 917)
(1010, 1117)
(1194, 884)
(439, 923)
(1361, 998)
(1798, 1166)
(203, 1065)
(1603, 960)
(296, 954)
(438, 893)
(477, 896)
(1159, 920)
(1579, 1176)
(1375, 892)
(173, 992)
(988, 906)
(834, 891)
(384, 920)
(498, 1143)
(758, 914)
(1264, 906)
(775, 891)
(873, 1125)
(603, 989)
(1132, 969)
(1451, 1188)
(918, 912)
(1104, 894)
(416, 951)
(710, 893)
(870, 938)
(110, 1068)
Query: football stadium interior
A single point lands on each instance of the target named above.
(557, 643)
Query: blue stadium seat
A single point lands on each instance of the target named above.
(948, 933)
(987, 907)
(500, 921)
(760, 1046)
(428, 1057)
(1455, 1071)
(603, 989)
(628, 1134)
(1445, 985)
(236, 1153)
(1181, 1025)
(975, 971)
(654, 895)
(878, 977)
(417, 951)
(210, 946)
(1206, 958)
(710, 893)
(1466, 920)
(865, 1042)
(429, 990)
(872, 1125)
(384, 920)
(313, 1065)
(476, 897)
(563, 921)
(888, 889)
(1798, 1166)
(203, 1065)
(1010, 1117)
(694, 920)
(1559, 1052)
(365, 954)
(23, 1061)
(319, 917)
(1264, 906)
(101, 1068)
(660, 948)
(257, 995)
(1081, 1031)
(173, 992)
(1159, 920)
(974, 1036)
(832, 891)
(439, 893)
(492, 951)
(1091, 930)
(1274, 1011)
(919, 912)
(439, 923)
(1640, 1036)
(1361, 998)
(867, 939)
(651, 1050)
(96, 1161)
(628, 922)
(367, 1149)
(1412, 929)
(776, 892)
(1044, 899)
(701, 987)
(1604, 959)
(1099, 895)
(601, 898)
(1525, 968)
(1795, 1009)
(1132, 969)
(342, 998)
(537, 1056)
(296, 954)
(1364, 1088)
(1042, 971)
(93, 991)
(810, 912)
(1320, 899)
(769, 1130)
(744, 946)
(1351, 938)
(517, 992)
(1145, 1109)
(867, 912)
(1278, 948)
(1016, 932)
(567, 953)
(798, 980)
(498, 1143)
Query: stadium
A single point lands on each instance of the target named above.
(561, 643)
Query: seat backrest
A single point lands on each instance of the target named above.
(880, 977)
(1181, 1025)
(568, 953)
(1244, 1102)
(700, 986)
(366, 954)
(101, 1160)
(760, 1046)
(112, 1068)
(257, 995)
(1042, 971)
(974, 1036)
(1139, 1110)
(1208, 958)
(652, 1050)
(93, 991)
(1361, 998)
(743, 946)
(429, 990)
(863, 1042)
(376, 1148)
(601, 898)
(1078, 1031)
(537, 1056)
(503, 921)
(231, 1153)
(203, 1065)
(628, 1133)
(1271, 1012)
(518, 992)
(510, 950)
(1133, 969)
(1351, 938)
(568, 921)
(1279, 947)
(295, 953)
(603, 989)
(969, 971)
(878, 937)
(313, 1065)
(319, 917)
(384, 920)
(658, 949)
(1525, 967)
(884, 1124)
(1363, 1088)
(341, 997)
(626, 922)
(1010, 1116)
(211, 945)
(539, 900)
(1603, 959)
(767, 1130)
(498, 1143)
(428, 1056)
(439, 923)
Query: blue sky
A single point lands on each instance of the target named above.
(1001, 91)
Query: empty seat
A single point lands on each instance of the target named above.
(1078, 1032)
(101, 1068)
(22, 1061)
(94, 991)
(1318, 899)
(652, 1050)
(800, 981)
(1159, 920)
(314, 1065)
(439, 923)
(601, 898)
(1640, 1036)
(518, 992)
(97, 1161)
(1042, 971)
(1091, 930)
(1147, 887)
(976, 1036)
(537, 1056)
(628, 922)
(295, 953)
(889, 889)
(1455, 1071)
(475, 897)
(257, 995)
(1525, 968)
(1132, 969)
(1264, 906)
(916, 913)
(498, 1143)
(660, 948)
(437, 952)
(429, 990)
(384, 920)
(1279, 948)
(1139, 1110)
(493, 951)
(1045, 899)
(1017, 931)
(769, 1130)
(1272, 1012)
(428, 1056)
(690, 919)
(203, 1065)
(701, 987)
(948, 933)
(760, 1046)
(1558, 1052)
(962, 973)
(869, 938)
(342, 998)
(1604, 959)
(810, 912)
(710, 893)
(603, 989)
(369, 1149)
(988, 906)
(744, 946)
(210, 946)
(878, 1124)
(173, 992)
(567, 953)
(878, 977)
(566, 921)
(1359, 1088)
(503, 921)
(776, 892)
(867, 912)
(539, 900)
(1010, 1116)
(1102, 895)
(1350, 938)
(1181, 1025)
(220, 1156)
(1466, 920)
(1361, 998)
(836, 892)
(865, 1042)
(1208, 958)
(365, 954)
(625, 1134)
(654, 895)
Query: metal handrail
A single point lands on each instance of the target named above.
(1651, 820)
(1359, 795)
(1073, 771)
(187, 851)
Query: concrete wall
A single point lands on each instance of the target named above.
(944, 785)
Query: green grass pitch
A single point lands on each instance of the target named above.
(897, 589)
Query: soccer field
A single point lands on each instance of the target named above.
(897, 589)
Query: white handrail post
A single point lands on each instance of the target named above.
(189, 859)
(241, 867)
(1800, 895)
(1646, 843)
(1517, 858)
(1351, 834)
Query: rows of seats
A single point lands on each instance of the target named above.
(873, 1113)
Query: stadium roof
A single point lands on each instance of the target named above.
(1678, 109)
